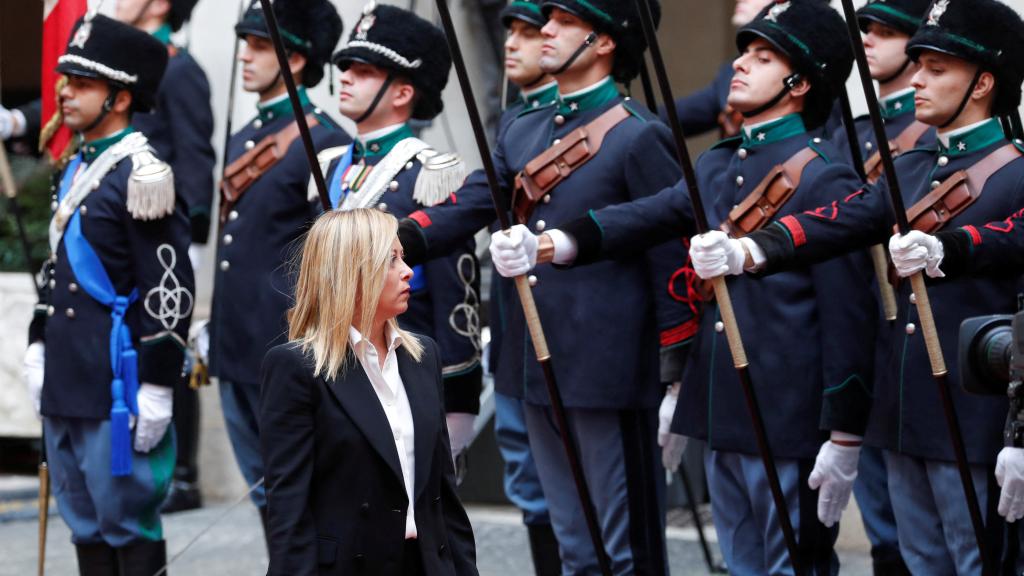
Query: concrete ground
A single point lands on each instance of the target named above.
(233, 546)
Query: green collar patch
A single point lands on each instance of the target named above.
(977, 138)
(163, 34)
(897, 106)
(92, 150)
(382, 145)
(773, 131)
(542, 96)
(594, 97)
(282, 107)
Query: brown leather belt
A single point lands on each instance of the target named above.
(251, 166)
(542, 174)
(906, 140)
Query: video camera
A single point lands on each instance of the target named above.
(991, 354)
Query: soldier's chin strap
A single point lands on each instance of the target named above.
(376, 99)
(965, 99)
(108, 105)
(895, 74)
(788, 83)
(587, 43)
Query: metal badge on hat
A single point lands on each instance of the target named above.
(938, 9)
(84, 31)
(366, 21)
(775, 11)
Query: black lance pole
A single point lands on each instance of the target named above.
(691, 502)
(231, 94)
(878, 260)
(293, 97)
(526, 298)
(924, 308)
(732, 330)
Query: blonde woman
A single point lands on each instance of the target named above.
(358, 465)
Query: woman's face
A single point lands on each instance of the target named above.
(394, 298)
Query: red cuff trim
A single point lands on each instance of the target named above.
(974, 234)
(421, 218)
(453, 198)
(680, 333)
(795, 230)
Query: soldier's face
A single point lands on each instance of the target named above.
(563, 35)
(523, 53)
(940, 83)
(746, 10)
(361, 82)
(885, 48)
(81, 101)
(758, 74)
(394, 298)
(259, 64)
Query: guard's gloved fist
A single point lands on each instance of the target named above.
(460, 431)
(834, 471)
(515, 253)
(715, 254)
(32, 370)
(916, 251)
(12, 123)
(1010, 476)
(672, 445)
(156, 403)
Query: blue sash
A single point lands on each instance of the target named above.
(124, 362)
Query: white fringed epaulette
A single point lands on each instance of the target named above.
(150, 187)
(442, 174)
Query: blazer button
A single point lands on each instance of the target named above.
(365, 508)
(441, 549)
(358, 557)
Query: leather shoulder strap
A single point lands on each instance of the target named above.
(253, 164)
(770, 195)
(906, 140)
(542, 174)
(959, 191)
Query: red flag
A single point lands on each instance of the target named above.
(59, 17)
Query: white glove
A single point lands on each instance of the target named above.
(32, 370)
(714, 254)
(199, 339)
(460, 431)
(156, 403)
(665, 413)
(515, 253)
(1010, 476)
(835, 469)
(915, 252)
(195, 256)
(12, 123)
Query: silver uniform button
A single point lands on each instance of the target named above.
(53, 206)
(532, 280)
(547, 198)
(742, 153)
(393, 186)
(317, 110)
(73, 288)
(935, 184)
(943, 160)
(817, 140)
(233, 215)
(70, 312)
(53, 283)
(559, 119)
(719, 326)
(249, 144)
(869, 146)
(83, 210)
(50, 310)
(224, 265)
(228, 239)
(541, 225)
(911, 328)
(556, 142)
(383, 207)
(257, 124)
(913, 298)
(739, 181)
(408, 165)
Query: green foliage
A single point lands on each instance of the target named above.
(33, 178)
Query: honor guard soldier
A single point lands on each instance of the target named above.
(180, 128)
(264, 211)
(813, 327)
(966, 76)
(388, 78)
(108, 337)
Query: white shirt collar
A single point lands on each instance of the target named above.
(749, 129)
(945, 136)
(272, 101)
(380, 133)
(359, 342)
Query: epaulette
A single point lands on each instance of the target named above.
(150, 187)
(731, 142)
(527, 110)
(441, 175)
(815, 144)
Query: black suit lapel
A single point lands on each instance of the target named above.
(359, 400)
(423, 399)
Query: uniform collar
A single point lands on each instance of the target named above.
(972, 138)
(541, 96)
(280, 106)
(897, 104)
(92, 150)
(163, 34)
(380, 142)
(773, 130)
(589, 98)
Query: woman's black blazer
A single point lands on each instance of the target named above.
(336, 498)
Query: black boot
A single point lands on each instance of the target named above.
(96, 560)
(142, 559)
(544, 549)
(184, 493)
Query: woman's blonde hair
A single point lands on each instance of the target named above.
(344, 263)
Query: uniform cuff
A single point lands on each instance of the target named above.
(672, 361)
(957, 246)
(565, 247)
(161, 361)
(587, 234)
(776, 246)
